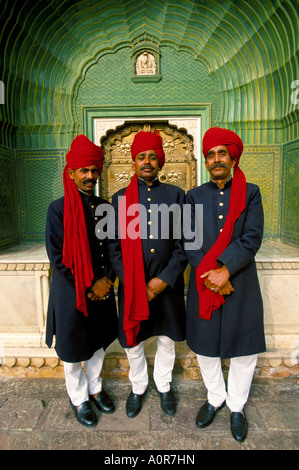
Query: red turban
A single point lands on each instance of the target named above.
(210, 300)
(84, 153)
(76, 250)
(218, 136)
(144, 141)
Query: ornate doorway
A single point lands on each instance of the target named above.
(180, 163)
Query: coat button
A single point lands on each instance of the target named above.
(149, 199)
(153, 250)
(220, 216)
(149, 189)
(221, 204)
(150, 222)
(221, 192)
(149, 210)
(151, 237)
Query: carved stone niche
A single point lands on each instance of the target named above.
(146, 62)
(180, 163)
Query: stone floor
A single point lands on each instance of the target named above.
(35, 415)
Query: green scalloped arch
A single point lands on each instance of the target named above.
(250, 47)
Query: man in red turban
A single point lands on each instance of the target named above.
(224, 304)
(150, 271)
(82, 311)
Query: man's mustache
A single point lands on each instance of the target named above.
(90, 181)
(145, 167)
(216, 165)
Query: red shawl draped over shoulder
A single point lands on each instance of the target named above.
(76, 250)
(208, 299)
(135, 298)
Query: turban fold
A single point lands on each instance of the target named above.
(136, 307)
(144, 141)
(208, 299)
(76, 250)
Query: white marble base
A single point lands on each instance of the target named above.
(278, 270)
(24, 290)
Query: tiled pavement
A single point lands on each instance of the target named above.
(35, 415)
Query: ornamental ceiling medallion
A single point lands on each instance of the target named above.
(180, 163)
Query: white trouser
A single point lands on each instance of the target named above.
(80, 385)
(238, 382)
(163, 366)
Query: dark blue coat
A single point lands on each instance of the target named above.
(77, 336)
(167, 262)
(236, 329)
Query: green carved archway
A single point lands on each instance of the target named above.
(237, 59)
(249, 47)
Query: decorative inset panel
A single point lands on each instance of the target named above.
(146, 64)
(180, 164)
(290, 198)
(9, 227)
(262, 165)
(40, 175)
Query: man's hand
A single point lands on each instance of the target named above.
(216, 279)
(154, 287)
(100, 289)
(227, 289)
(150, 294)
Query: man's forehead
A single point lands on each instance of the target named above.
(217, 149)
(147, 152)
(92, 167)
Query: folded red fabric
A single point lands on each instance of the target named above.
(76, 250)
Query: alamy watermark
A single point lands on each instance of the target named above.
(165, 222)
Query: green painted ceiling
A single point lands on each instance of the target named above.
(250, 47)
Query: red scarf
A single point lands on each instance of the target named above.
(136, 307)
(135, 298)
(76, 250)
(210, 300)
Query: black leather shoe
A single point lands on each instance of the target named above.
(134, 404)
(168, 402)
(84, 414)
(103, 402)
(206, 414)
(238, 426)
